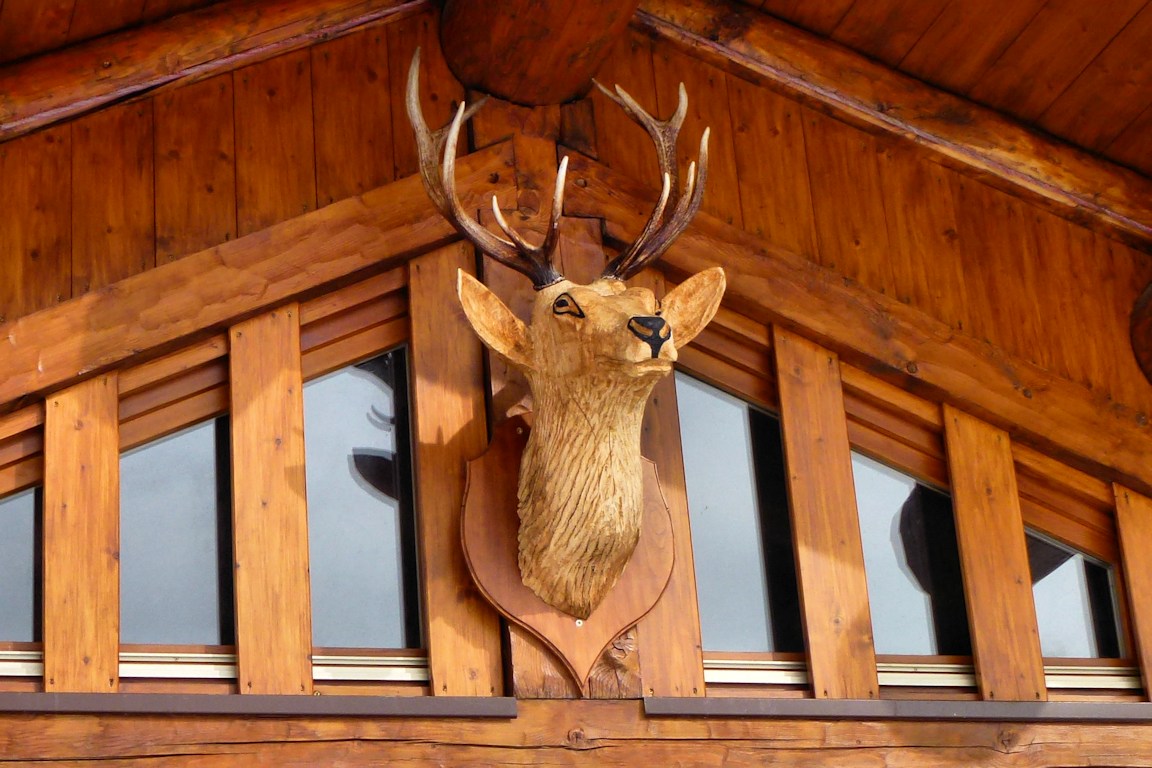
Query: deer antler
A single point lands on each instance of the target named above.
(659, 233)
(516, 252)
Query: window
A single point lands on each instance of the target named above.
(915, 589)
(20, 514)
(360, 513)
(175, 539)
(1075, 602)
(741, 532)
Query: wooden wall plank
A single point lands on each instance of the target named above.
(825, 523)
(440, 92)
(463, 631)
(620, 143)
(775, 196)
(35, 222)
(275, 165)
(91, 18)
(195, 168)
(33, 25)
(994, 560)
(82, 538)
(887, 29)
(113, 226)
(269, 514)
(1134, 526)
(352, 107)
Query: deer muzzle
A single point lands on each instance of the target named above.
(653, 331)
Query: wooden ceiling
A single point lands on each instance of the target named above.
(1080, 71)
(1076, 70)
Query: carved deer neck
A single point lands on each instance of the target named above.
(591, 355)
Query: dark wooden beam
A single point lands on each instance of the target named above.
(869, 95)
(209, 290)
(532, 52)
(880, 334)
(73, 81)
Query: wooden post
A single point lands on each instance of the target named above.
(82, 538)
(1134, 527)
(269, 514)
(463, 631)
(825, 523)
(994, 560)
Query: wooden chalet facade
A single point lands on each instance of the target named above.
(204, 206)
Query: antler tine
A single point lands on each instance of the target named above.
(658, 234)
(440, 183)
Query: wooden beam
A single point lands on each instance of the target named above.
(46, 89)
(82, 538)
(994, 560)
(883, 336)
(209, 290)
(867, 94)
(463, 630)
(825, 523)
(269, 514)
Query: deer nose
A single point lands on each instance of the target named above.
(653, 331)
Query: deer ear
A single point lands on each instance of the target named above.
(692, 304)
(493, 322)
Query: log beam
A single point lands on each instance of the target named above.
(864, 93)
(885, 337)
(47, 89)
(207, 291)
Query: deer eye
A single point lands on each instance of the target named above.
(566, 305)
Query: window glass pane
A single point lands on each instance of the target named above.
(20, 516)
(175, 539)
(914, 584)
(741, 533)
(360, 524)
(1075, 604)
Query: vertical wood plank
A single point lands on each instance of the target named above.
(994, 560)
(1134, 528)
(33, 25)
(825, 523)
(195, 168)
(672, 658)
(35, 216)
(269, 514)
(353, 114)
(463, 631)
(621, 143)
(91, 18)
(275, 163)
(82, 538)
(113, 226)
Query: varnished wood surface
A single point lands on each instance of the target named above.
(994, 561)
(1134, 523)
(269, 512)
(825, 524)
(82, 539)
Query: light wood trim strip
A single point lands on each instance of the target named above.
(825, 523)
(47, 89)
(82, 538)
(994, 560)
(1134, 524)
(206, 291)
(269, 514)
(883, 336)
(463, 631)
(868, 94)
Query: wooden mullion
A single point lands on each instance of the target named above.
(462, 630)
(994, 560)
(825, 523)
(1134, 524)
(81, 595)
(269, 514)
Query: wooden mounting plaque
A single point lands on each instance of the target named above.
(489, 528)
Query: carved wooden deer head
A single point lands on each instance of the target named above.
(591, 355)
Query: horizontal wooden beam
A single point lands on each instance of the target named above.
(867, 94)
(885, 337)
(206, 291)
(46, 89)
